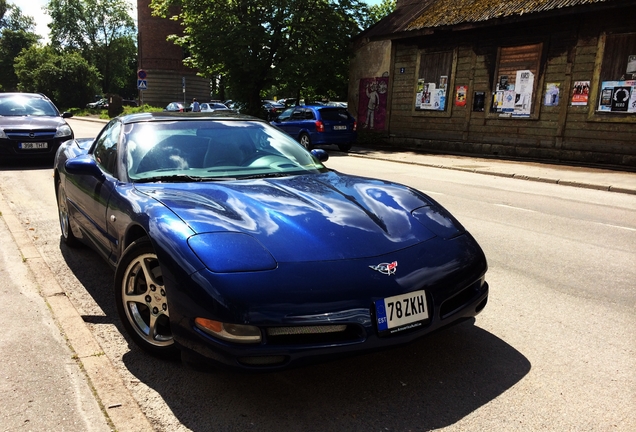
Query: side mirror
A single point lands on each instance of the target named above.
(67, 115)
(320, 154)
(83, 165)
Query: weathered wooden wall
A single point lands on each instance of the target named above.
(562, 133)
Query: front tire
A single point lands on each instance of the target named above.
(65, 225)
(142, 301)
(305, 141)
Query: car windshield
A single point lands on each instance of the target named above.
(204, 150)
(26, 106)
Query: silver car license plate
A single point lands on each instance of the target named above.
(33, 145)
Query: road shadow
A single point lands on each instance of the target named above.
(430, 384)
(96, 277)
(25, 164)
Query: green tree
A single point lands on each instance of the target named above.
(16, 33)
(302, 45)
(380, 10)
(68, 79)
(105, 35)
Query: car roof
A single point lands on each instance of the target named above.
(30, 95)
(186, 116)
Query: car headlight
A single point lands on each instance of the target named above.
(239, 333)
(228, 252)
(63, 131)
(2, 134)
(438, 221)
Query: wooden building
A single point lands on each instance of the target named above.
(550, 80)
(166, 77)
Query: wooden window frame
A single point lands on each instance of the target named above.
(595, 89)
(536, 90)
(450, 85)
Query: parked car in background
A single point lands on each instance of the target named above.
(337, 104)
(102, 103)
(213, 106)
(177, 107)
(271, 109)
(316, 125)
(31, 126)
(232, 243)
(235, 106)
(129, 102)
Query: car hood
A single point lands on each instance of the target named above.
(30, 122)
(310, 217)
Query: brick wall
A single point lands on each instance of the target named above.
(163, 62)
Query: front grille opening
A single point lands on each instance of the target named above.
(456, 302)
(310, 335)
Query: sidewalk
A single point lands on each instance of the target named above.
(56, 377)
(590, 178)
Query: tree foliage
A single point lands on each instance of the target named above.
(68, 79)
(300, 45)
(103, 32)
(16, 33)
(380, 10)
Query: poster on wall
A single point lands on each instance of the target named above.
(551, 94)
(631, 65)
(431, 96)
(524, 86)
(617, 96)
(479, 101)
(443, 82)
(419, 94)
(497, 101)
(632, 102)
(620, 98)
(580, 93)
(372, 102)
(460, 95)
(508, 104)
(427, 97)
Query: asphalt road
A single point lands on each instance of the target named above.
(553, 350)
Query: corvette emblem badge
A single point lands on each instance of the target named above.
(385, 268)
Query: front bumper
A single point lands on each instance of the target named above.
(11, 148)
(279, 357)
(327, 294)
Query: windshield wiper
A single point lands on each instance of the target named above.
(268, 175)
(180, 178)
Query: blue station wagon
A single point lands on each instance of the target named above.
(316, 125)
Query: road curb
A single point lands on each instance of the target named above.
(117, 403)
(579, 184)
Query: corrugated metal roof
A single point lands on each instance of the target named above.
(453, 12)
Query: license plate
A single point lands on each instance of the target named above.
(340, 128)
(401, 312)
(33, 145)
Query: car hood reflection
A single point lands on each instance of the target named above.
(326, 216)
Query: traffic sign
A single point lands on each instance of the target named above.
(141, 74)
(142, 84)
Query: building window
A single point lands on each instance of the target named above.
(433, 81)
(516, 79)
(617, 92)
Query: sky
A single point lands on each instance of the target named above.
(34, 9)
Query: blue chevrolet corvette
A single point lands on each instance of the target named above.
(232, 243)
